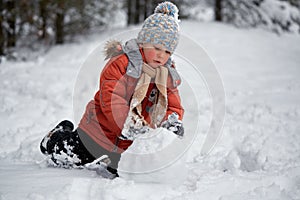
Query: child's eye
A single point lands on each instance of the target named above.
(159, 49)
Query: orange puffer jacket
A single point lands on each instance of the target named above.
(105, 115)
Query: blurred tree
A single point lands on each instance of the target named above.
(137, 13)
(11, 23)
(43, 4)
(2, 40)
(294, 3)
(59, 21)
(275, 15)
(148, 8)
(129, 12)
(139, 10)
(218, 10)
(83, 24)
(134, 11)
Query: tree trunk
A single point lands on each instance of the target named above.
(43, 14)
(2, 40)
(59, 22)
(129, 12)
(11, 21)
(137, 12)
(218, 10)
(83, 25)
(148, 9)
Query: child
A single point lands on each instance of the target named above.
(138, 91)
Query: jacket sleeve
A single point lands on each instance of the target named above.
(112, 94)
(174, 103)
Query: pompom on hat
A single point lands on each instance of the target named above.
(161, 27)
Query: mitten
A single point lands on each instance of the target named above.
(174, 124)
(133, 133)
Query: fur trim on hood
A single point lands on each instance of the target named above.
(112, 48)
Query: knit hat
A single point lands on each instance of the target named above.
(161, 27)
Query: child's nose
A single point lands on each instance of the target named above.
(161, 54)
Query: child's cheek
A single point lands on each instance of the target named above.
(151, 55)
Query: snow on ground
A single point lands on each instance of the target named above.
(257, 157)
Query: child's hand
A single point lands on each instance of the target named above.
(174, 125)
(133, 133)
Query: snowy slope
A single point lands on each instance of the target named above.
(257, 157)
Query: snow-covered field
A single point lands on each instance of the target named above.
(257, 157)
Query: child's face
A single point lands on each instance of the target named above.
(155, 55)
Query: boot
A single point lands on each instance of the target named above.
(48, 142)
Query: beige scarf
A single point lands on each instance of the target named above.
(135, 118)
